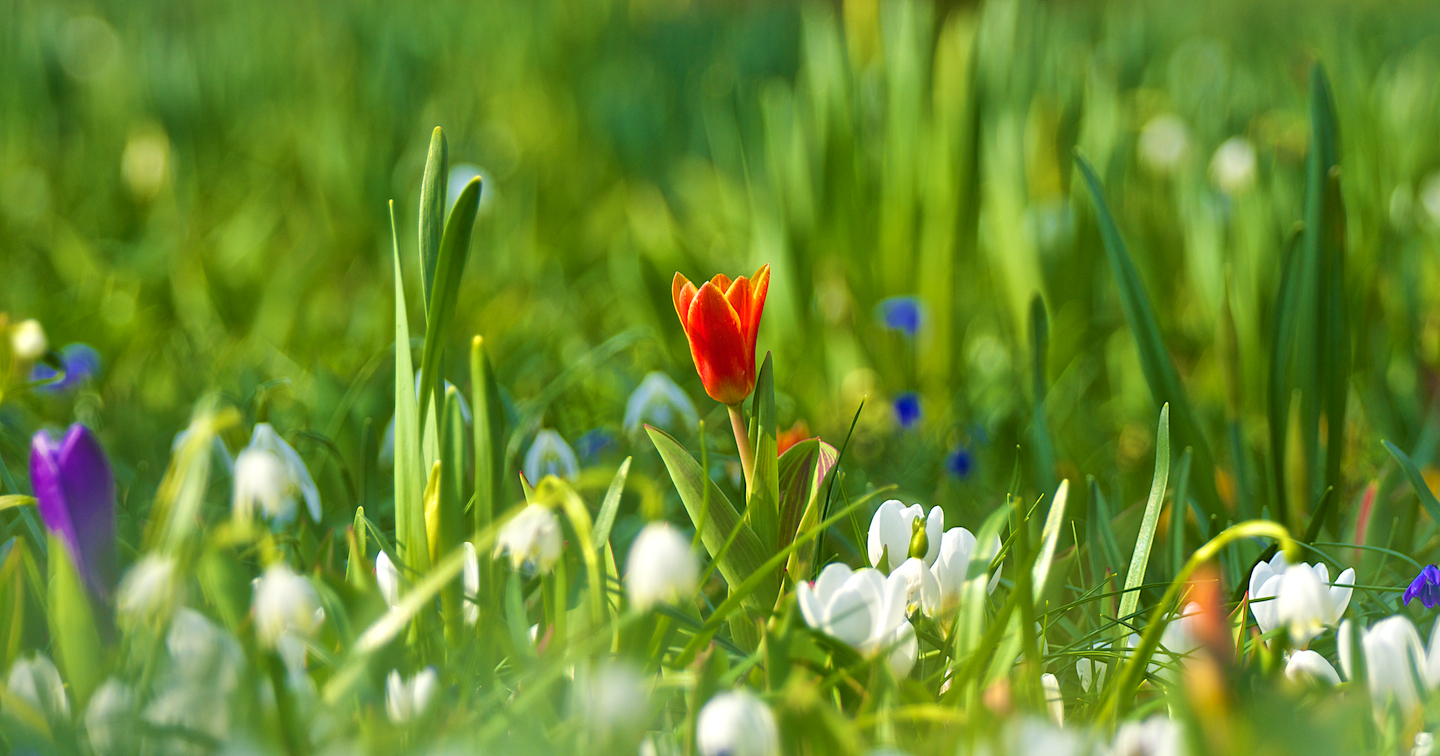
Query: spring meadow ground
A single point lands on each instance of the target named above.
(719, 378)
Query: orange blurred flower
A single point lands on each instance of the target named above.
(788, 438)
(721, 319)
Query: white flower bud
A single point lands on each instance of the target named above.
(550, 455)
(406, 700)
(284, 603)
(148, 590)
(737, 724)
(388, 580)
(35, 679)
(661, 567)
(270, 473)
(531, 536)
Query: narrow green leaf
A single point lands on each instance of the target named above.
(1155, 361)
(1104, 549)
(1417, 480)
(449, 269)
(488, 419)
(1282, 354)
(611, 503)
(1325, 245)
(1178, 509)
(1049, 538)
(1141, 558)
(433, 187)
(1042, 447)
(451, 508)
(409, 477)
(762, 500)
(971, 621)
(15, 500)
(745, 554)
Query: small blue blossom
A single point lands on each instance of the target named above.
(907, 409)
(959, 462)
(81, 363)
(1426, 587)
(900, 314)
(593, 443)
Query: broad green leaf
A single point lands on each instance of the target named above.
(1155, 361)
(409, 477)
(762, 500)
(72, 625)
(1417, 480)
(1049, 538)
(745, 554)
(449, 269)
(433, 187)
(1141, 556)
(805, 469)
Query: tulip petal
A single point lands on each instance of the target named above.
(759, 286)
(683, 293)
(718, 347)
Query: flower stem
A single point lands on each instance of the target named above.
(742, 442)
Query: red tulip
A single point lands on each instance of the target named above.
(720, 320)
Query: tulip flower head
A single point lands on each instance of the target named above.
(550, 455)
(661, 567)
(893, 533)
(1426, 587)
(76, 493)
(658, 401)
(721, 319)
(532, 536)
(407, 699)
(736, 723)
(270, 473)
(1306, 604)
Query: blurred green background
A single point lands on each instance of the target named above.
(199, 191)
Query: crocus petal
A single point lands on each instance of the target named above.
(718, 346)
(76, 493)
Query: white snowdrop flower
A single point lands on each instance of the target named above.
(1310, 610)
(736, 723)
(34, 678)
(902, 650)
(1164, 143)
(204, 674)
(470, 582)
(922, 590)
(957, 546)
(284, 603)
(862, 608)
(661, 567)
(387, 578)
(148, 589)
(109, 719)
(407, 699)
(1054, 702)
(270, 473)
(27, 340)
(1424, 744)
(1392, 653)
(1430, 196)
(1310, 667)
(550, 455)
(658, 401)
(1156, 736)
(1032, 736)
(892, 533)
(531, 536)
(1232, 168)
(612, 697)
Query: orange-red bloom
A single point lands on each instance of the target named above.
(798, 432)
(720, 320)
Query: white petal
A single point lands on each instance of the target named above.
(1309, 667)
(850, 614)
(934, 530)
(902, 650)
(810, 607)
(1304, 604)
(830, 579)
(1340, 594)
(1053, 700)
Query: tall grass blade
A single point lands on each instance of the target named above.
(433, 187)
(1141, 556)
(409, 478)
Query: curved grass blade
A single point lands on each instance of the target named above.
(1417, 480)
(1141, 557)
(1049, 538)
(449, 268)
(409, 478)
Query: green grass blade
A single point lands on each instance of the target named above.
(1178, 509)
(488, 420)
(433, 187)
(449, 531)
(1146, 538)
(1155, 361)
(1049, 539)
(409, 478)
(1104, 550)
(970, 624)
(1281, 361)
(1042, 446)
(611, 503)
(1417, 480)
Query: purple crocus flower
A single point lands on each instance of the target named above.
(76, 493)
(1426, 587)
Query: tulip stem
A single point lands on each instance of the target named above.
(742, 442)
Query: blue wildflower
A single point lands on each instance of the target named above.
(907, 409)
(81, 363)
(593, 443)
(959, 462)
(900, 314)
(1426, 587)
